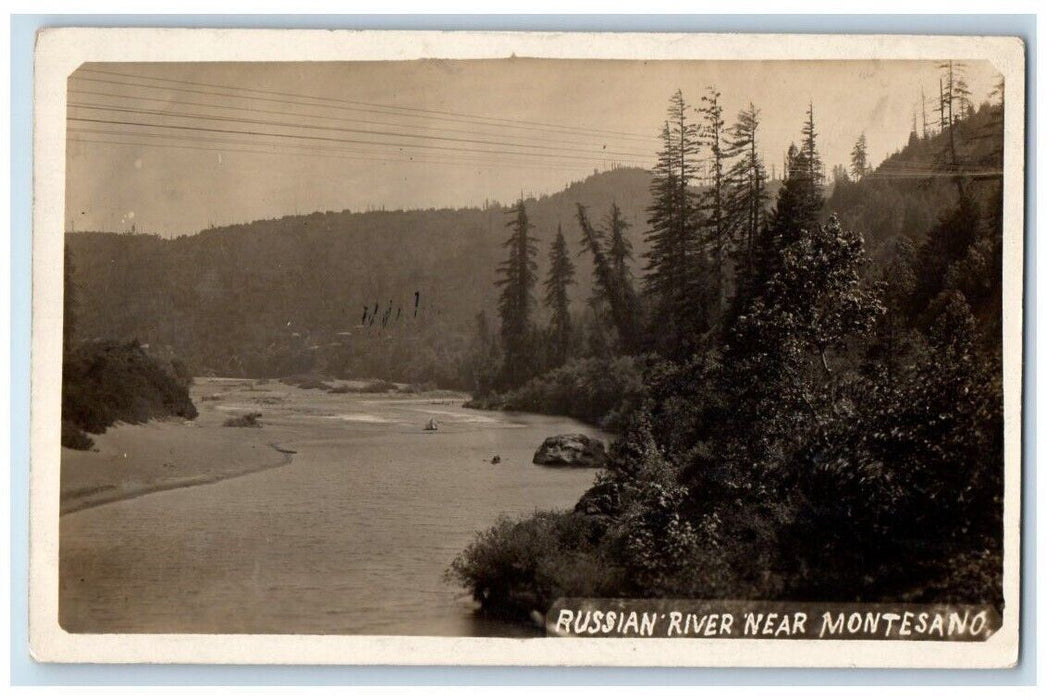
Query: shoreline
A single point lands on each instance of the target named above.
(104, 495)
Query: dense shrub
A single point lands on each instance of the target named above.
(831, 437)
(106, 382)
(593, 390)
(520, 566)
(75, 438)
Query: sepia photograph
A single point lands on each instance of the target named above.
(537, 348)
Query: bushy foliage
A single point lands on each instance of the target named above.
(839, 437)
(653, 540)
(592, 390)
(107, 382)
(74, 438)
(523, 565)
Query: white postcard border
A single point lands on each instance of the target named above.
(60, 51)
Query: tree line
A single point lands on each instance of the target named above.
(808, 426)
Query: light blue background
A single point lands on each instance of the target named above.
(24, 671)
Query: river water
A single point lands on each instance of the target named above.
(352, 537)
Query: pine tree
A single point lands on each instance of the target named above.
(813, 162)
(613, 287)
(943, 124)
(561, 276)
(718, 232)
(673, 281)
(746, 190)
(953, 88)
(661, 279)
(518, 277)
(620, 249)
(860, 158)
(796, 211)
(800, 199)
(948, 97)
(960, 91)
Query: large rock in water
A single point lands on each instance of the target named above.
(575, 450)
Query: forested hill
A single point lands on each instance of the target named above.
(276, 297)
(913, 188)
(285, 296)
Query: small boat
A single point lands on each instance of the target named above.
(431, 425)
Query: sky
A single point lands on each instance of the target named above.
(175, 148)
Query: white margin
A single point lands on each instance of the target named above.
(60, 51)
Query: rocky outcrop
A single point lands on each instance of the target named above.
(571, 450)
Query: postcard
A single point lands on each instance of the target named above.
(526, 348)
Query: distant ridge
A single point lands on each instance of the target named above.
(257, 298)
(336, 291)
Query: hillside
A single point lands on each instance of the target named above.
(395, 294)
(908, 192)
(276, 297)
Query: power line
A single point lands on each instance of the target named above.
(975, 174)
(234, 147)
(396, 157)
(479, 165)
(357, 120)
(356, 105)
(265, 122)
(326, 139)
(419, 110)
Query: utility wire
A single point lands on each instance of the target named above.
(325, 117)
(325, 139)
(292, 125)
(354, 105)
(235, 147)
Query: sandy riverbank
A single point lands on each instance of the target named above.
(133, 460)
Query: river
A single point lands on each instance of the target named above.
(353, 536)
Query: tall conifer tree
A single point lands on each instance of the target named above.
(860, 157)
(620, 249)
(797, 210)
(717, 230)
(516, 302)
(612, 282)
(812, 161)
(674, 270)
(747, 191)
(561, 276)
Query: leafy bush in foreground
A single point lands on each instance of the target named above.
(520, 566)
